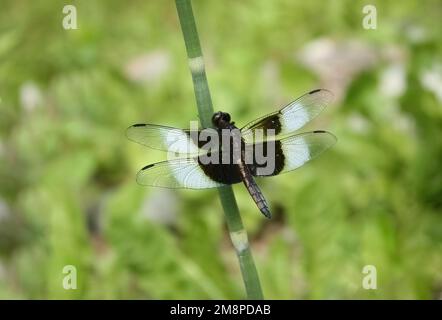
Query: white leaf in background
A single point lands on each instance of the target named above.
(431, 80)
(30, 96)
(149, 67)
(336, 63)
(161, 207)
(392, 82)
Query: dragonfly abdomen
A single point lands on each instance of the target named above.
(254, 191)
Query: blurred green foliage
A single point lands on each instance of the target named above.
(68, 194)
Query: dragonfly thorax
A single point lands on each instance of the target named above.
(221, 120)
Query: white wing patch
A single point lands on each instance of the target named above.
(163, 138)
(301, 148)
(296, 114)
(293, 119)
(177, 173)
(296, 154)
(180, 142)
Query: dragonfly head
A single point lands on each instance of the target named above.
(220, 119)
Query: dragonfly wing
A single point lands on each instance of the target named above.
(177, 173)
(289, 153)
(164, 138)
(290, 118)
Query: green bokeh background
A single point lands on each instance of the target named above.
(68, 194)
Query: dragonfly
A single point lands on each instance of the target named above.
(274, 135)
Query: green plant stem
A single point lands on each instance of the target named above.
(237, 232)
